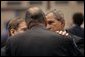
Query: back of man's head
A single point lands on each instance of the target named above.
(78, 18)
(34, 14)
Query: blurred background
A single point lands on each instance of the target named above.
(10, 9)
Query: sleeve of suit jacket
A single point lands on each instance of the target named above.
(73, 49)
(67, 48)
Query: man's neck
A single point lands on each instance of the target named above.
(36, 25)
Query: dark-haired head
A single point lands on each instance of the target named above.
(78, 18)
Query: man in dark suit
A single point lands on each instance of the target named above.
(77, 30)
(14, 26)
(77, 22)
(56, 23)
(38, 41)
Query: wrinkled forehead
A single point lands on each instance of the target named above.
(49, 15)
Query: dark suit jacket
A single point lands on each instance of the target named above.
(4, 37)
(40, 42)
(76, 30)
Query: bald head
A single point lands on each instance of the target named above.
(34, 10)
(35, 14)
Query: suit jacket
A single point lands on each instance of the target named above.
(4, 37)
(3, 51)
(76, 30)
(40, 42)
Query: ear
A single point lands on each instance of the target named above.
(63, 25)
(12, 32)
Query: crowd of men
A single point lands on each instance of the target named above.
(40, 34)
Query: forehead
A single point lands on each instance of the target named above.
(22, 24)
(50, 16)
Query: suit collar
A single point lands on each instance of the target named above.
(39, 26)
